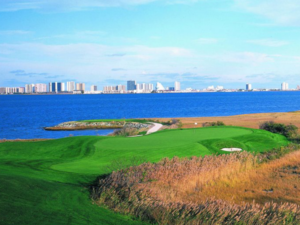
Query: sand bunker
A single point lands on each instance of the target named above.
(232, 149)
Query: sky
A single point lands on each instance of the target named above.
(107, 42)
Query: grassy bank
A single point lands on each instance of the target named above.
(48, 182)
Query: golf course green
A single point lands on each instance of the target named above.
(47, 182)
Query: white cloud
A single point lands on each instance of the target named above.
(284, 12)
(207, 41)
(92, 62)
(70, 5)
(269, 42)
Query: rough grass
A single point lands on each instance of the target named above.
(47, 182)
(247, 120)
(232, 189)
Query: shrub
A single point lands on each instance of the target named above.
(212, 124)
(125, 132)
(288, 131)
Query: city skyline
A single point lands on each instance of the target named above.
(197, 42)
(131, 87)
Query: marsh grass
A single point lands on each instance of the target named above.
(239, 188)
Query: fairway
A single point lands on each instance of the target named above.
(47, 182)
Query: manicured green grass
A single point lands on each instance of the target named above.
(47, 182)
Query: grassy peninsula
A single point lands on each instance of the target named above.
(48, 182)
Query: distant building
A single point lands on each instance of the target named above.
(171, 88)
(93, 88)
(219, 88)
(248, 87)
(70, 86)
(210, 88)
(149, 87)
(60, 87)
(40, 88)
(21, 90)
(131, 85)
(52, 87)
(80, 87)
(298, 87)
(29, 88)
(159, 87)
(284, 86)
(4, 90)
(56, 87)
(177, 86)
(121, 88)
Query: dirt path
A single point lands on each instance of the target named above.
(155, 128)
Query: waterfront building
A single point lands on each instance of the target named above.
(60, 87)
(29, 88)
(284, 86)
(80, 87)
(63, 87)
(93, 88)
(131, 85)
(219, 88)
(21, 90)
(248, 87)
(171, 89)
(4, 90)
(121, 88)
(177, 86)
(56, 87)
(52, 87)
(40, 88)
(210, 88)
(70, 86)
(298, 87)
(159, 87)
(149, 87)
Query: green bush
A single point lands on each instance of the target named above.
(288, 131)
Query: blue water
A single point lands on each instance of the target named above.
(25, 116)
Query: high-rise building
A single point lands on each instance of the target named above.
(177, 86)
(248, 87)
(29, 88)
(149, 87)
(93, 88)
(284, 86)
(4, 90)
(63, 87)
(70, 86)
(40, 88)
(121, 88)
(59, 87)
(21, 90)
(56, 87)
(159, 87)
(80, 87)
(52, 87)
(131, 85)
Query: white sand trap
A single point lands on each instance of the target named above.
(231, 149)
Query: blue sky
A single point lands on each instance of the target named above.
(197, 42)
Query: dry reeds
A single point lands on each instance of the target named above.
(225, 189)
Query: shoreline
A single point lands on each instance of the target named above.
(244, 120)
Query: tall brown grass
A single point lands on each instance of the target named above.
(225, 189)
